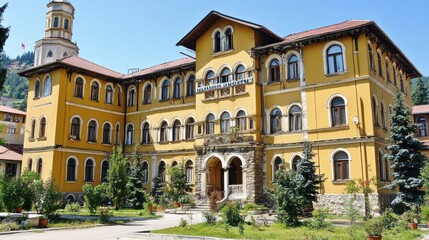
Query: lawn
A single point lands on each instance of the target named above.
(277, 231)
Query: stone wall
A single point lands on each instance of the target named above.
(337, 203)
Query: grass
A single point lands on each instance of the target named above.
(278, 231)
(71, 223)
(124, 212)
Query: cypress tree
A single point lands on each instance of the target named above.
(421, 93)
(307, 169)
(406, 157)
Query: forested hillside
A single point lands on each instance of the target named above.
(15, 86)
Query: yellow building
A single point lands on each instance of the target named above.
(232, 115)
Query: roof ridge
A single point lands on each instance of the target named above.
(160, 64)
(327, 26)
(83, 59)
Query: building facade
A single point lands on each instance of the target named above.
(232, 115)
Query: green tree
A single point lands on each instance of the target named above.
(4, 34)
(178, 185)
(136, 185)
(31, 183)
(117, 177)
(307, 168)
(48, 198)
(11, 192)
(94, 196)
(157, 190)
(404, 152)
(420, 93)
(288, 196)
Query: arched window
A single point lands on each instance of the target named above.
(161, 171)
(294, 163)
(147, 94)
(65, 54)
(278, 162)
(210, 124)
(104, 170)
(92, 131)
(177, 88)
(165, 89)
(128, 168)
(275, 120)
(78, 88)
(292, 67)
(423, 126)
(47, 86)
(145, 172)
(383, 116)
(210, 78)
(75, 129)
(39, 166)
(295, 119)
(176, 130)
(30, 164)
(130, 135)
(56, 22)
(109, 95)
(380, 65)
(107, 136)
(240, 121)
(163, 132)
(401, 83)
(240, 72)
(37, 89)
(228, 39)
(387, 71)
(341, 166)
(119, 96)
(190, 86)
(117, 134)
(71, 169)
(190, 128)
(33, 128)
(394, 77)
(334, 59)
(274, 70)
(95, 88)
(225, 75)
(381, 170)
(89, 170)
(174, 164)
(371, 57)
(42, 129)
(189, 169)
(375, 111)
(225, 119)
(131, 94)
(50, 54)
(338, 112)
(146, 134)
(66, 24)
(216, 42)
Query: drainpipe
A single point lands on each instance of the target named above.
(125, 116)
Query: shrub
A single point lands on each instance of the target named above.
(214, 197)
(8, 226)
(183, 223)
(72, 207)
(11, 193)
(425, 213)
(389, 219)
(48, 199)
(411, 216)
(31, 183)
(231, 214)
(105, 214)
(210, 218)
(319, 220)
(94, 196)
(186, 199)
(241, 229)
(374, 227)
(249, 206)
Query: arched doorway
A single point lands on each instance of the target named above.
(215, 178)
(235, 172)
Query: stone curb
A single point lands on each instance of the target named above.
(153, 236)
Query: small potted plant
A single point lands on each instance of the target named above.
(374, 229)
(185, 201)
(425, 214)
(43, 221)
(412, 218)
(172, 208)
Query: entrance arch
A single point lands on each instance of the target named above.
(214, 175)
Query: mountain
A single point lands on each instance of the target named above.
(15, 88)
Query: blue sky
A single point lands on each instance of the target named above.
(137, 34)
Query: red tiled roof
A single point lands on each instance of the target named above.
(326, 30)
(419, 109)
(12, 110)
(162, 67)
(90, 66)
(6, 154)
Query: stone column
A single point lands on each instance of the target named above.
(203, 183)
(226, 181)
(244, 171)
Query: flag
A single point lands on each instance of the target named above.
(23, 46)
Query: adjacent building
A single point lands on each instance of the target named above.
(232, 115)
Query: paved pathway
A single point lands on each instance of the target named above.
(109, 232)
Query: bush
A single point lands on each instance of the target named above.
(411, 216)
(319, 220)
(389, 219)
(11, 193)
(94, 196)
(231, 214)
(249, 206)
(374, 227)
(48, 199)
(185, 199)
(183, 223)
(72, 207)
(425, 213)
(210, 218)
(31, 183)
(214, 197)
(105, 214)
(9, 226)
